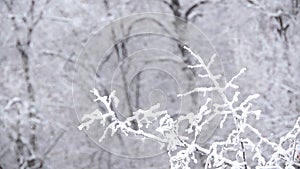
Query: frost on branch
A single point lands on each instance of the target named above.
(238, 150)
(116, 124)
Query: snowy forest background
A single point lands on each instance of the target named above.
(40, 41)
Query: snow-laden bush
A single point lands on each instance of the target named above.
(229, 153)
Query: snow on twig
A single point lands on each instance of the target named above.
(182, 149)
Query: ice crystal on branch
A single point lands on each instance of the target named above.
(181, 149)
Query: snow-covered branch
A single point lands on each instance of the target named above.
(181, 149)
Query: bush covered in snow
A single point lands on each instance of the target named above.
(232, 152)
